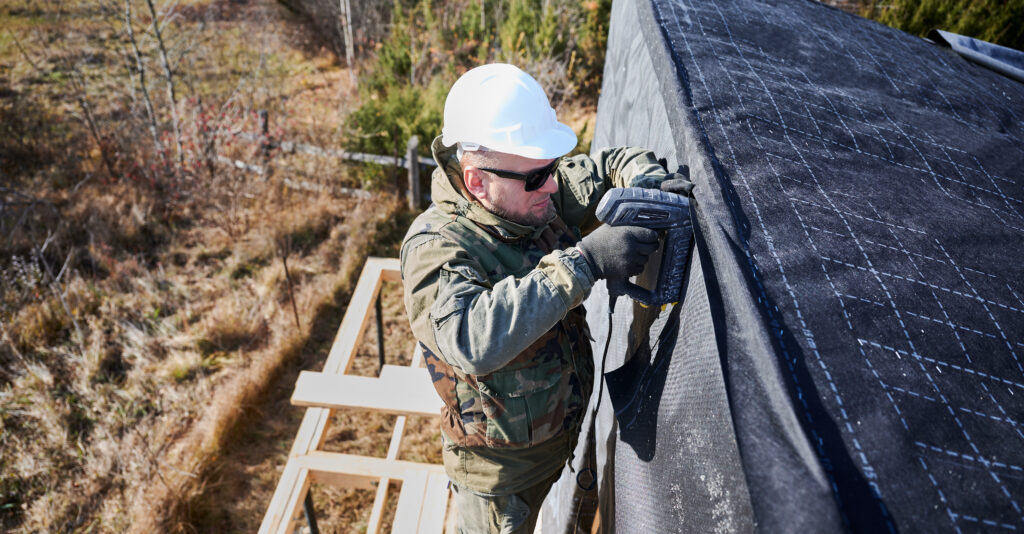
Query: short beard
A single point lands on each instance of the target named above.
(527, 219)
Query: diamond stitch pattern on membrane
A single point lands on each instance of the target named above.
(850, 353)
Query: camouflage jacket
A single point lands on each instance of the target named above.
(496, 305)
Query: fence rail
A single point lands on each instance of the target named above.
(291, 147)
(411, 161)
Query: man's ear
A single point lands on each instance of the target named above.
(474, 180)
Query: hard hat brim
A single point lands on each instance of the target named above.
(554, 143)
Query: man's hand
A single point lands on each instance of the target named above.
(618, 251)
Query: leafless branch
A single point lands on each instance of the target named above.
(171, 13)
(64, 268)
(24, 53)
(285, 249)
(169, 76)
(141, 72)
(78, 84)
(54, 286)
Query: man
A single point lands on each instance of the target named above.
(495, 272)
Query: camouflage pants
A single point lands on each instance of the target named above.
(516, 513)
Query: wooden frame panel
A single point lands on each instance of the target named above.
(418, 397)
(307, 464)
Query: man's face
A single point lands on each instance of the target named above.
(508, 198)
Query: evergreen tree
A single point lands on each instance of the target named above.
(996, 21)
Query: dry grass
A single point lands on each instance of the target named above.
(125, 403)
(149, 389)
(174, 361)
(259, 449)
(220, 421)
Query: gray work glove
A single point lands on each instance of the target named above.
(618, 251)
(678, 182)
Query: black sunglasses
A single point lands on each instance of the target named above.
(534, 179)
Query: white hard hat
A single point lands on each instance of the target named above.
(504, 109)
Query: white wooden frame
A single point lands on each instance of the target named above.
(399, 390)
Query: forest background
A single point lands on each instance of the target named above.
(167, 266)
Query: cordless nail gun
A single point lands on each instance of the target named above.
(657, 210)
(660, 211)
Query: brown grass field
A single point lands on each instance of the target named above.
(162, 396)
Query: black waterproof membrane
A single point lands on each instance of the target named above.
(849, 354)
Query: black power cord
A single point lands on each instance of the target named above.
(591, 468)
(604, 357)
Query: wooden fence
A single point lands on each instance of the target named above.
(412, 161)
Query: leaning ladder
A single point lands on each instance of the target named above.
(398, 390)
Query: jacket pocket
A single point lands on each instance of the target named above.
(455, 286)
(446, 313)
(446, 302)
(525, 406)
(471, 414)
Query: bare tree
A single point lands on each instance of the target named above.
(140, 72)
(346, 20)
(172, 99)
(333, 19)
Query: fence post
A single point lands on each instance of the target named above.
(412, 161)
(380, 335)
(265, 140)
